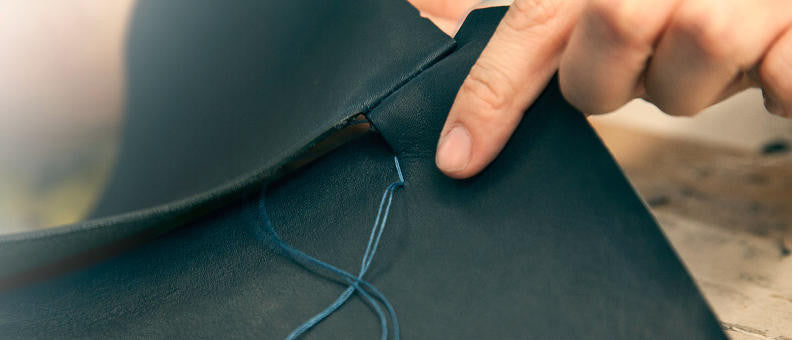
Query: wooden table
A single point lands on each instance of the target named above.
(728, 214)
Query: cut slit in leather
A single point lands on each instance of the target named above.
(353, 128)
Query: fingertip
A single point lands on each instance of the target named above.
(466, 148)
(509, 74)
(454, 150)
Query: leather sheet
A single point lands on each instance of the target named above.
(549, 242)
(219, 96)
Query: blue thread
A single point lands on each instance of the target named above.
(356, 283)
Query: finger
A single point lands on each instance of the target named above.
(607, 53)
(514, 67)
(448, 9)
(481, 4)
(775, 76)
(706, 50)
(445, 14)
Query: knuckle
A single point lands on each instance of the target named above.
(489, 89)
(773, 106)
(526, 14)
(677, 111)
(710, 33)
(572, 92)
(675, 108)
(622, 19)
(775, 74)
(666, 102)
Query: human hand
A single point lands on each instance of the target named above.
(681, 55)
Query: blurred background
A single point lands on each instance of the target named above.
(720, 183)
(60, 97)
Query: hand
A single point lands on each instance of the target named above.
(681, 55)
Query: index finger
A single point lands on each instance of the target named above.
(514, 67)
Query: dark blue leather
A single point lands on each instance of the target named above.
(261, 78)
(549, 242)
(222, 94)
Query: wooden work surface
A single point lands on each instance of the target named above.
(728, 214)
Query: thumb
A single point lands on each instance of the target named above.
(514, 67)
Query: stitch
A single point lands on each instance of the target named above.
(356, 283)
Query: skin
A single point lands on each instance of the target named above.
(680, 55)
(62, 72)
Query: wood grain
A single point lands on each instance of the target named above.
(728, 213)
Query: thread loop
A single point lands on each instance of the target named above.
(367, 291)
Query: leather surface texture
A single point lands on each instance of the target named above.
(220, 95)
(549, 242)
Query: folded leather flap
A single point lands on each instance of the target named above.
(219, 96)
(219, 91)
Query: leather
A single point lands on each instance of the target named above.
(219, 96)
(550, 241)
(261, 78)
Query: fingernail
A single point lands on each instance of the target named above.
(453, 153)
